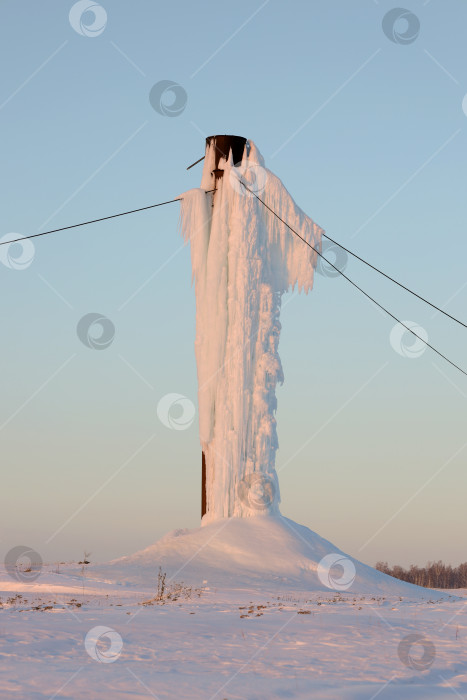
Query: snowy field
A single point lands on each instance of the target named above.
(230, 636)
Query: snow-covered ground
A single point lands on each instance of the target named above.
(252, 620)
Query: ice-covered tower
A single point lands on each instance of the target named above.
(243, 259)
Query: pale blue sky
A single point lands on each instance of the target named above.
(370, 138)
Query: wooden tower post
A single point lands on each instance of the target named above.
(223, 144)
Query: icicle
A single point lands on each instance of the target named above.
(243, 260)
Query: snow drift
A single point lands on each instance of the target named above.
(269, 554)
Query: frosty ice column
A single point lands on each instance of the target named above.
(243, 260)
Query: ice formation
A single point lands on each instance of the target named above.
(243, 260)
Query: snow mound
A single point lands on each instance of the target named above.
(269, 552)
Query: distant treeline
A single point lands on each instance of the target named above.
(433, 575)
